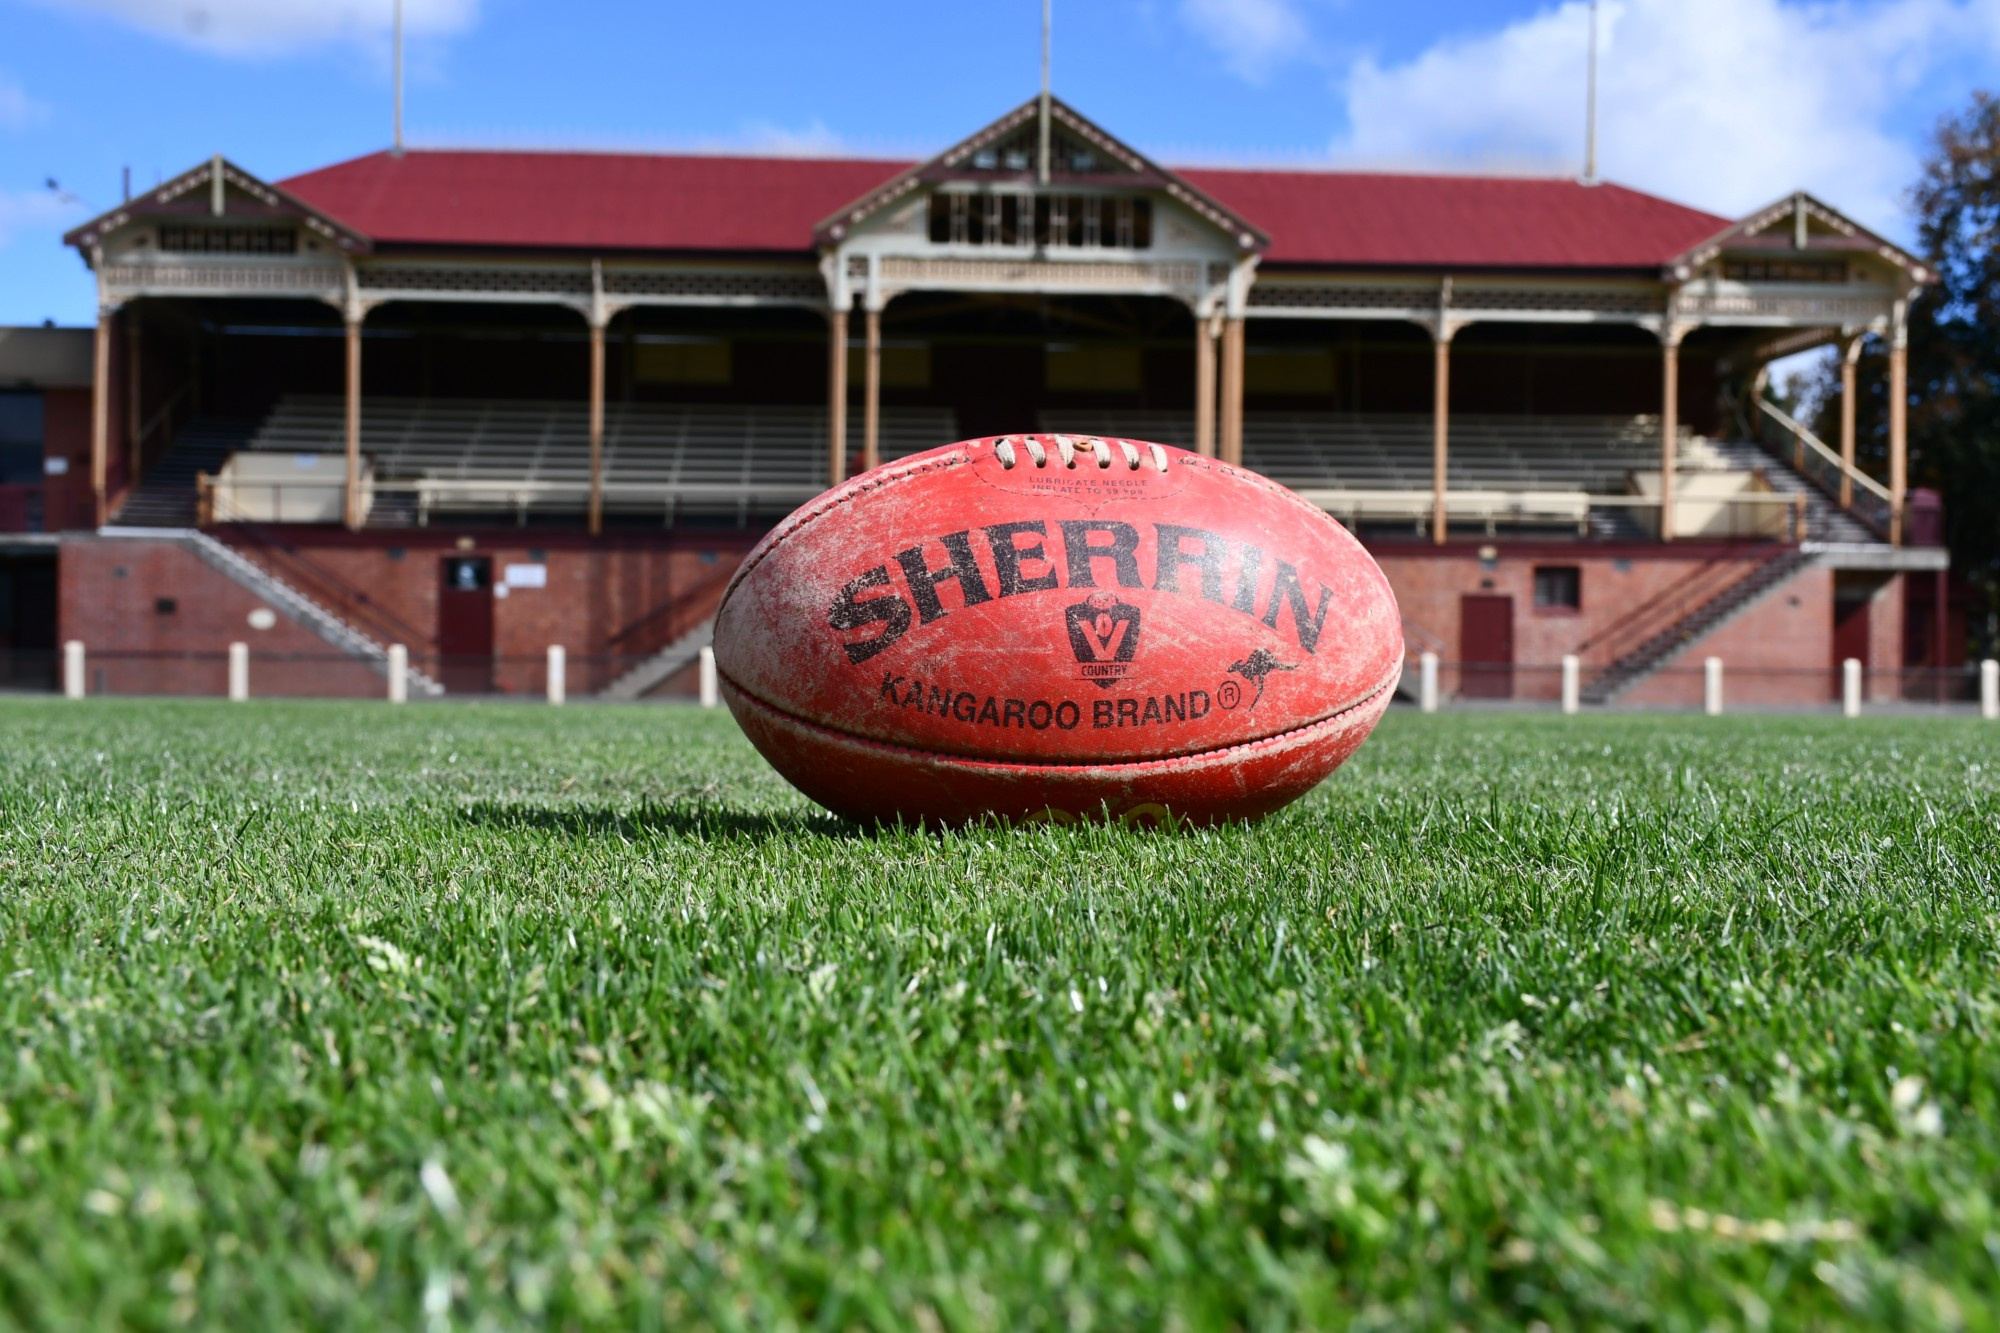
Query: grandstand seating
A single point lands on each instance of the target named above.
(674, 462)
(677, 461)
(1393, 452)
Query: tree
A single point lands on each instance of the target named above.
(1955, 338)
(1954, 331)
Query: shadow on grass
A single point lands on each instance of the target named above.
(681, 821)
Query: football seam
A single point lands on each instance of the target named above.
(1388, 682)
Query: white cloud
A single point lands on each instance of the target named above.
(36, 210)
(815, 140)
(18, 110)
(1252, 36)
(279, 27)
(1725, 104)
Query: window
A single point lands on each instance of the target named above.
(20, 439)
(1012, 217)
(187, 240)
(1785, 270)
(1558, 588)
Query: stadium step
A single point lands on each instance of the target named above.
(1661, 648)
(165, 496)
(1825, 522)
(254, 578)
(676, 656)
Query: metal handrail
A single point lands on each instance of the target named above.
(1826, 455)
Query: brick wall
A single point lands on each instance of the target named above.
(114, 595)
(110, 591)
(1785, 635)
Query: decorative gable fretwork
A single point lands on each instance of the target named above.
(217, 194)
(1802, 231)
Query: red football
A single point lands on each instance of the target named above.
(1047, 626)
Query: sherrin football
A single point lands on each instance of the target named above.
(1046, 626)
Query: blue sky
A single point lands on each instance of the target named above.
(1724, 104)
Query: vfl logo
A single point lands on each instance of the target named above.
(1104, 634)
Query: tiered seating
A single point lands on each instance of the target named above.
(1381, 451)
(677, 461)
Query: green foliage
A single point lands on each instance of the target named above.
(1954, 349)
(1955, 337)
(336, 1015)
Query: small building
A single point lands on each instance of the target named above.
(478, 402)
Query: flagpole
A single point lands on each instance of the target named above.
(1590, 106)
(1042, 159)
(399, 79)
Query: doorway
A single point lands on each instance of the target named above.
(465, 624)
(1853, 599)
(28, 622)
(1485, 646)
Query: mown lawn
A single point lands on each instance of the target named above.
(334, 1015)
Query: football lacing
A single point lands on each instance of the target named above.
(1003, 449)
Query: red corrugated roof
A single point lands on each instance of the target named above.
(630, 201)
(1319, 217)
(598, 201)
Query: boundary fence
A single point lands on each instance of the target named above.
(556, 676)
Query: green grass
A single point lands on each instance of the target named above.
(335, 1015)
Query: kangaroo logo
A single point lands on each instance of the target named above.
(1256, 667)
(1104, 634)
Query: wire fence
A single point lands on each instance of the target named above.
(236, 671)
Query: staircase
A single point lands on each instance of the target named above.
(1825, 521)
(1663, 646)
(165, 497)
(283, 596)
(650, 672)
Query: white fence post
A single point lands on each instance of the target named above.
(239, 672)
(711, 693)
(558, 669)
(1989, 690)
(73, 669)
(1572, 682)
(1711, 686)
(1850, 687)
(399, 674)
(1427, 682)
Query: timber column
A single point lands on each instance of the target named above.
(353, 311)
(100, 413)
(1899, 412)
(1441, 436)
(836, 398)
(1670, 425)
(596, 423)
(1232, 390)
(352, 506)
(871, 395)
(1204, 384)
(1850, 353)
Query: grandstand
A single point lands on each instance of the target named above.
(661, 464)
(1537, 400)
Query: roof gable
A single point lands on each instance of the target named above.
(1798, 223)
(208, 191)
(1080, 153)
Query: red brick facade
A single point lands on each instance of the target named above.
(595, 603)
(597, 598)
